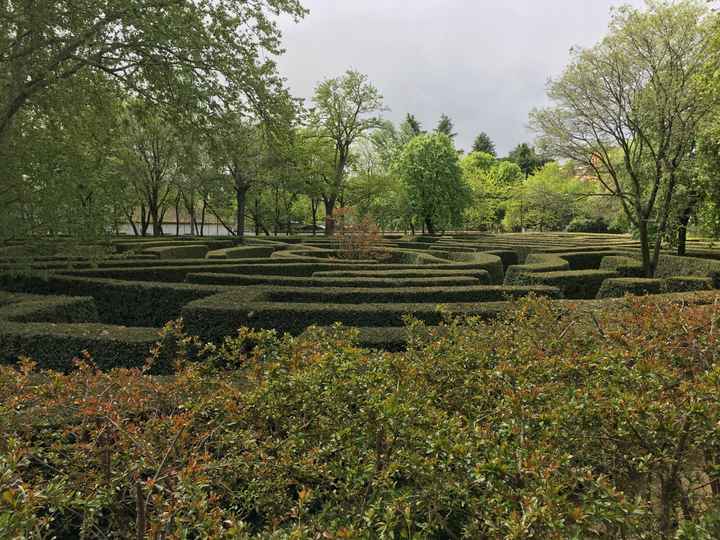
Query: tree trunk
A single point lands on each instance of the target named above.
(329, 219)
(240, 197)
(682, 231)
(429, 225)
(314, 203)
(648, 266)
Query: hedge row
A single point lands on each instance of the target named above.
(244, 252)
(579, 284)
(219, 316)
(118, 302)
(284, 281)
(53, 330)
(191, 251)
(408, 295)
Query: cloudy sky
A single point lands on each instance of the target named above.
(484, 63)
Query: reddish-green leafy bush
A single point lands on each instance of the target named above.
(546, 423)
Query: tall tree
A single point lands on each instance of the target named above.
(634, 96)
(430, 170)
(483, 143)
(149, 154)
(345, 110)
(527, 159)
(411, 125)
(446, 126)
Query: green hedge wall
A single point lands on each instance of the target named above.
(215, 317)
(579, 284)
(480, 293)
(118, 302)
(191, 251)
(687, 283)
(618, 287)
(367, 282)
(53, 330)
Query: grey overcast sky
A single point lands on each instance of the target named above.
(484, 63)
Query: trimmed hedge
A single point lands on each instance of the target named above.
(480, 293)
(243, 252)
(192, 251)
(53, 330)
(687, 283)
(580, 284)
(480, 275)
(118, 302)
(618, 287)
(623, 265)
(216, 317)
(535, 262)
(672, 265)
(371, 282)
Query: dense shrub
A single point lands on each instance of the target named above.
(572, 283)
(542, 424)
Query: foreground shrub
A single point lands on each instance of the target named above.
(541, 424)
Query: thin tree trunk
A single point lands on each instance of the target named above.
(241, 199)
(329, 219)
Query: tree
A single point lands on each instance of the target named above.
(548, 200)
(526, 158)
(345, 110)
(446, 126)
(149, 154)
(492, 183)
(153, 47)
(430, 171)
(411, 126)
(483, 143)
(629, 108)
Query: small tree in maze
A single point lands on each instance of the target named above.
(357, 239)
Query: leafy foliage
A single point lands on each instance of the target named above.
(545, 423)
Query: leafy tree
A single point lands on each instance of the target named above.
(149, 156)
(153, 47)
(411, 126)
(636, 93)
(483, 143)
(526, 158)
(429, 168)
(548, 200)
(345, 110)
(492, 182)
(446, 126)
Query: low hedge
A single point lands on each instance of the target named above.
(481, 275)
(372, 282)
(580, 284)
(623, 265)
(687, 283)
(118, 302)
(218, 316)
(53, 330)
(618, 287)
(535, 262)
(192, 251)
(672, 265)
(479, 293)
(243, 252)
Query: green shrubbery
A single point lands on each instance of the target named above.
(542, 424)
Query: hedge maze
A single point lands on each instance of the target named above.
(53, 308)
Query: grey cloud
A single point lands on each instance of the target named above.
(484, 63)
